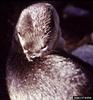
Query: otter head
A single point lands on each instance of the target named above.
(37, 29)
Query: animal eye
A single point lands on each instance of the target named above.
(19, 33)
(46, 44)
(44, 48)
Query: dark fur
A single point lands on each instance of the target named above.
(52, 77)
(39, 31)
(58, 76)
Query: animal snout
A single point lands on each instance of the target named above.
(35, 55)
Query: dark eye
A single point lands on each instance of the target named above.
(19, 33)
(44, 46)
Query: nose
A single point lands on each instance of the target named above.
(35, 55)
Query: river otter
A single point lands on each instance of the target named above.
(39, 31)
(52, 77)
(55, 76)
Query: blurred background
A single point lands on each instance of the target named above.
(76, 20)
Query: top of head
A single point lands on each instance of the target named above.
(36, 17)
(37, 24)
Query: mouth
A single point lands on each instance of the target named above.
(32, 57)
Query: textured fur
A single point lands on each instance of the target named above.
(38, 29)
(51, 77)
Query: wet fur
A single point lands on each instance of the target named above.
(38, 29)
(53, 77)
(57, 76)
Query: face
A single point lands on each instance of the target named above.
(36, 46)
(36, 33)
